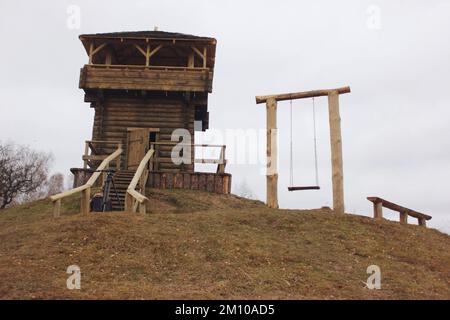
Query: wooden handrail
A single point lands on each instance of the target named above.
(84, 189)
(379, 203)
(132, 194)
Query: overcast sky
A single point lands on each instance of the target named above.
(395, 56)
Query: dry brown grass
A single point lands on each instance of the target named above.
(203, 246)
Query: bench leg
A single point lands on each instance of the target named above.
(422, 222)
(378, 210)
(404, 217)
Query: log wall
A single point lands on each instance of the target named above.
(211, 182)
(113, 115)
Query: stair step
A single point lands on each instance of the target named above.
(122, 180)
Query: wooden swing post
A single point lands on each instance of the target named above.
(335, 137)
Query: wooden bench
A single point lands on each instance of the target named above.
(379, 203)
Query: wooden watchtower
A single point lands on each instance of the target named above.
(143, 86)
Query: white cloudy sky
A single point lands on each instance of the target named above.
(395, 122)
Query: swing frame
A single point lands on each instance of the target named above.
(335, 137)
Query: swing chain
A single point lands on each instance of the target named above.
(291, 163)
(315, 143)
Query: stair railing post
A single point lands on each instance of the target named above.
(56, 208)
(86, 153)
(128, 202)
(85, 198)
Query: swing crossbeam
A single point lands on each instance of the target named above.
(303, 188)
(301, 95)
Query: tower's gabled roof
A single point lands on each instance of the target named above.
(155, 38)
(147, 35)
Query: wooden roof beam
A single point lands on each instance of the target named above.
(202, 55)
(144, 53)
(198, 52)
(93, 50)
(147, 53)
(155, 50)
(301, 95)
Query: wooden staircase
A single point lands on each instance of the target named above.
(122, 180)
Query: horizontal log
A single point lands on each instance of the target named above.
(149, 117)
(210, 161)
(94, 157)
(143, 75)
(139, 102)
(169, 113)
(169, 160)
(301, 95)
(146, 123)
(168, 88)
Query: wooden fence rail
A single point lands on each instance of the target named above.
(85, 189)
(93, 152)
(379, 203)
(221, 162)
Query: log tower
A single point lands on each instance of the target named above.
(143, 86)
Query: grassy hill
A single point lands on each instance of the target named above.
(201, 246)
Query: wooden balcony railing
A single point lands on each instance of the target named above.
(137, 77)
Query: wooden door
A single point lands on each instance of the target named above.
(137, 146)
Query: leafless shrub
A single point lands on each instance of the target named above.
(22, 173)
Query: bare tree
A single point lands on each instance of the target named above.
(55, 184)
(22, 172)
(69, 181)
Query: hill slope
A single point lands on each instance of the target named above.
(198, 245)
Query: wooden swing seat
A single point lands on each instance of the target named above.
(304, 188)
